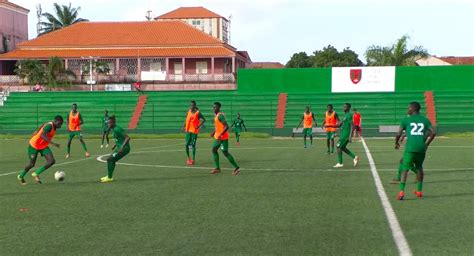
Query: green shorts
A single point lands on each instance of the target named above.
(223, 145)
(330, 135)
(191, 139)
(33, 153)
(307, 131)
(116, 156)
(342, 143)
(74, 133)
(413, 161)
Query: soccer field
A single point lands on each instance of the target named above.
(287, 201)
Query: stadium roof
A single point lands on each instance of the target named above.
(189, 12)
(123, 39)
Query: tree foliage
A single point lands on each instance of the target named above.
(395, 55)
(327, 57)
(330, 57)
(64, 16)
(53, 73)
(299, 60)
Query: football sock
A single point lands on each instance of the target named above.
(332, 150)
(68, 150)
(194, 152)
(110, 168)
(305, 141)
(187, 150)
(349, 153)
(311, 139)
(339, 157)
(84, 146)
(40, 170)
(402, 186)
(23, 173)
(216, 160)
(419, 186)
(232, 160)
(238, 138)
(398, 176)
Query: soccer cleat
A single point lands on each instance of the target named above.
(418, 194)
(338, 165)
(88, 154)
(191, 162)
(216, 171)
(237, 144)
(401, 195)
(106, 179)
(188, 161)
(22, 180)
(236, 171)
(356, 161)
(102, 146)
(67, 156)
(36, 177)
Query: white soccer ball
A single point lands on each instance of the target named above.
(59, 175)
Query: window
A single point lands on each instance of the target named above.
(196, 23)
(155, 66)
(201, 67)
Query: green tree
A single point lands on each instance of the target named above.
(330, 57)
(53, 74)
(99, 67)
(31, 71)
(395, 55)
(299, 60)
(65, 16)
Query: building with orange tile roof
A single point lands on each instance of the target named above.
(163, 51)
(203, 19)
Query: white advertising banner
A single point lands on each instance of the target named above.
(363, 79)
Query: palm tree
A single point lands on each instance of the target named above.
(65, 16)
(396, 55)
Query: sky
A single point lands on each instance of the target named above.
(273, 30)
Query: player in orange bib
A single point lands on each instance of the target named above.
(330, 118)
(39, 143)
(221, 140)
(357, 119)
(308, 119)
(74, 123)
(194, 121)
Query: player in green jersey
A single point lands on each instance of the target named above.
(120, 149)
(419, 134)
(105, 129)
(346, 128)
(238, 123)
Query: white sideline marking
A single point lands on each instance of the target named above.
(398, 236)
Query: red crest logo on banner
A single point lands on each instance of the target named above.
(356, 75)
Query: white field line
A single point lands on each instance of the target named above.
(398, 236)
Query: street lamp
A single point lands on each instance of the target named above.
(91, 82)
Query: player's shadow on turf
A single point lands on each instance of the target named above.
(452, 180)
(448, 195)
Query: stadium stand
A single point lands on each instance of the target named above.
(26, 111)
(167, 110)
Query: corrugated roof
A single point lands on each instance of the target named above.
(458, 60)
(189, 12)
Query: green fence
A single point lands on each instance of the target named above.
(318, 80)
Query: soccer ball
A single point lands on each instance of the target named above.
(59, 175)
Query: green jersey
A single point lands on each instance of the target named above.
(119, 136)
(416, 128)
(238, 123)
(346, 127)
(105, 122)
